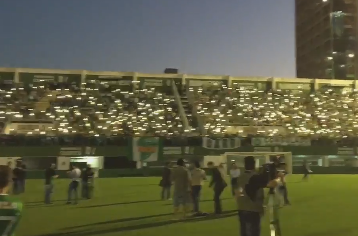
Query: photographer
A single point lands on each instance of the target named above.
(250, 197)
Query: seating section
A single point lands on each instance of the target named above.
(96, 109)
(322, 113)
(107, 109)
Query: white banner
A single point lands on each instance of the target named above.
(172, 150)
(63, 163)
(221, 143)
(25, 128)
(11, 160)
(280, 141)
(199, 83)
(254, 130)
(71, 151)
(145, 149)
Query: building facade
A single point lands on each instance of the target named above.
(326, 39)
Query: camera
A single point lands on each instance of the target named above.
(275, 165)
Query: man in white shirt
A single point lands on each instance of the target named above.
(283, 189)
(234, 175)
(197, 177)
(75, 176)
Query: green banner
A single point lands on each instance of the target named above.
(147, 149)
(151, 149)
(152, 82)
(294, 86)
(7, 77)
(204, 82)
(39, 78)
(125, 83)
(296, 150)
(55, 151)
(337, 88)
(248, 84)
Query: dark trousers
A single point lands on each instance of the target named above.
(73, 190)
(21, 185)
(305, 174)
(233, 185)
(48, 193)
(165, 193)
(15, 186)
(284, 192)
(85, 190)
(195, 194)
(217, 202)
(250, 223)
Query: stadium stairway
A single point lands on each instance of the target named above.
(195, 118)
(192, 119)
(182, 113)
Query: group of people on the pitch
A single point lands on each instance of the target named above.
(187, 183)
(85, 178)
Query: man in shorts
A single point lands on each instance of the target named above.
(182, 186)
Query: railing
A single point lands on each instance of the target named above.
(175, 141)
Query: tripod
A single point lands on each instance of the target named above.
(273, 206)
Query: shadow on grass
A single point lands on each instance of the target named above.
(333, 232)
(206, 200)
(94, 232)
(119, 221)
(42, 202)
(119, 203)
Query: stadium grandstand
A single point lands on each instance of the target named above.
(53, 102)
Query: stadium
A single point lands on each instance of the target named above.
(128, 124)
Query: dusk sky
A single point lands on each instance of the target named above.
(221, 37)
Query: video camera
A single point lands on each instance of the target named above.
(276, 164)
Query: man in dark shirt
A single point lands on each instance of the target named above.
(219, 184)
(306, 170)
(87, 182)
(16, 176)
(22, 177)
(166, 182)
(50, 174)
(250, 197)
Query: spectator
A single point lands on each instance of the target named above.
(165, 182)
(197, 177)
(182, 186)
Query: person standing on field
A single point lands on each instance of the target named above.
(50, 174)
(182, 186)
(197, 178)
(75, 175)
(166, 182)
(234, 175)
(218, 184)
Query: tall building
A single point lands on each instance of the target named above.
(326, 39)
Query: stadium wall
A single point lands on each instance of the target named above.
(27, 76)
(119, 160)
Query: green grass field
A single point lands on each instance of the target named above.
(326, 205)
